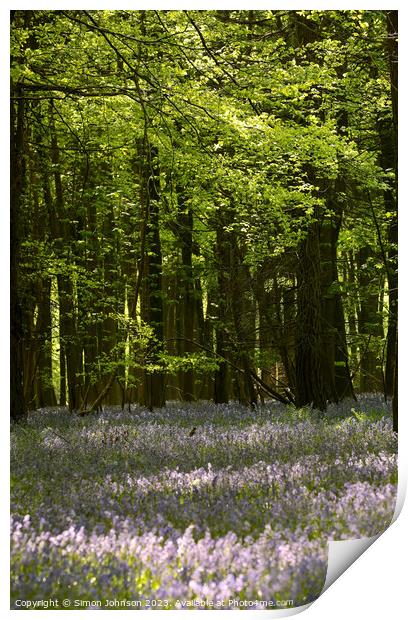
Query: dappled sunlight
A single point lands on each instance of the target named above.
(131, 504)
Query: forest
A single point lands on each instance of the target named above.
(203, 298)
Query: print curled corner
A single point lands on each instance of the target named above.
(342, 554)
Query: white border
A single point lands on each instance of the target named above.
(374, 586)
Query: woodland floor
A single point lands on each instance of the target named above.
(138, 508)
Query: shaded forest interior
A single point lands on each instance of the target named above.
(203, 206)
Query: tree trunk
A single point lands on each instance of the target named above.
(336, 367)
(221, 375)
(369, 328)
(152, 302)
(112, 306)
(243, 315)
(310, 386)
(185, 233)
(392, 337)
(388, 132)
(204, 336)
(17, 171)
(44, 386)
(395, 395)
(266, 333)
(328, 240)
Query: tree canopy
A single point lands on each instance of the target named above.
(203, 206)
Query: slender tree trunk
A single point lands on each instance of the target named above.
(185, 232)
(266, 306)
(204, 336)
(392, 338)
(392, 44)
(243, 314)
(30, 345)
(154, 386)
(112, 306)
(62, 371)
(353, 306)
(210, 328)
(17, 171)
(288, 341)
(388, 162)
(221, 375)
(369, 327)
(92, 336)
(395, 395)
(343, 381)
(44, 386)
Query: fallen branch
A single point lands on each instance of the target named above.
(282, 399)
(100, 397)
(266, 388)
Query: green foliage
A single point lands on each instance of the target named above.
(193, 361)
(254, 129)
(373, 415)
